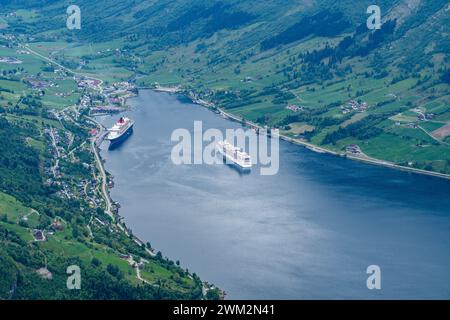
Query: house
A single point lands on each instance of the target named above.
(57, 225)
(44, 273)
(294, 107)
(114, 100)
(38, 235)
(353, 148)
(10, 60)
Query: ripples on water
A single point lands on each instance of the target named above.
(308, 232)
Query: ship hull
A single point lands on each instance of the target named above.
(118, 140)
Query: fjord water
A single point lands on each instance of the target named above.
(308, 232)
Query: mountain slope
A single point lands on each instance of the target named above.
(256, 57)
(386, 91)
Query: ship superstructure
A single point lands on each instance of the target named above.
(121, 130)
(234, 154)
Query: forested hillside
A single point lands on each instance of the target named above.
(33, 269)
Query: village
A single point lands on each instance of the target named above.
(73, 168)
(354, 106)
(73, 171)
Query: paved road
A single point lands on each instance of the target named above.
(26, 47)
(105, 192)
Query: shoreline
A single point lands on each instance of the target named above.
(116, 218)
(120, 220)
(307, 145)
(314, 148)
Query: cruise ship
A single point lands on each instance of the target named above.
(120, 131)
(234, 154)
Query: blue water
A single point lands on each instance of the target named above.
(308, 232)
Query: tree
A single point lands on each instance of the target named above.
(213, 294)
(95, 262)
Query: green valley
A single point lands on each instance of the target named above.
(319, 57)
(310, 68)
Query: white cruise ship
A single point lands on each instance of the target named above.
(121, 130)
(234, 154)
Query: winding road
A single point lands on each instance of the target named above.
(105, 192)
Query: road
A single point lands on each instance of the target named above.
(324, 150)
(432, 137)
(135, 265)
(292, 140)
(95, 141)
(26, 47)
(58, 155)
(104, 180)
(101, 168)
